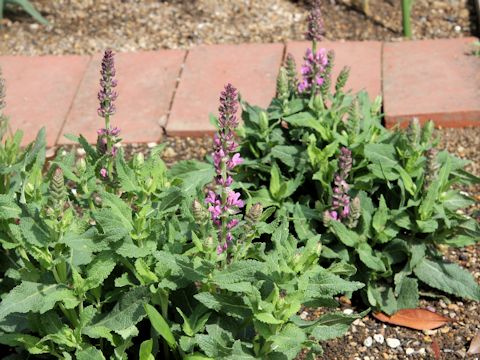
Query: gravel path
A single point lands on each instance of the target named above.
(89, 26)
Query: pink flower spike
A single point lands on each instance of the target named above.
(103, 172)
(219, 249)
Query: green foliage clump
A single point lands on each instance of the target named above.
(404, 202)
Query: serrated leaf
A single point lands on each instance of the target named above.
(230, 305)
(267, 318)
(125, 174)
(194, 174)
(348, 237)
(89, 354)
(35, 297)
(369, 258)
(8, 208)
(450, 278)
(82, 246)
(408, 295)
(332, 325)
(126, 313)
(289, 341)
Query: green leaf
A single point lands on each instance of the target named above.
(35, 297)
(381, 216)
(450, 278)
(268, 318)
(145, 352)
(323, 284)
(289, 155)
(194, 174)
(231, 305)
(348, 237)
(407, 294)
(119, 209)
(332, 325)
(160, 325)
(8, 208)
(127, 312)
(369, 258)
(275, 181)
(82, 246)
(382, 297)
(126, 175)
(383, 154)
(31, 343)
(30, 9)
(289, 341)
(453, 200)
(89, 353)
(170, 199)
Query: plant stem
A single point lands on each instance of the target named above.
(406, 18)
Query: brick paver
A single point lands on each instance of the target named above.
(39, 92)
(363, 58)
(251, 68)
(146, 82)
(432, 79)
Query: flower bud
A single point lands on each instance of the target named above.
(413, 131)
(282, 84)
(291, 69)
(263, 121)
(355, 213)
(81, 165)
(254, 213)
(427, 132)
(200, 214)
(342, 79)
(138, 161)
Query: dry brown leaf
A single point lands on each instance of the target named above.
(474, 345)
(419, 319)
(436, 350)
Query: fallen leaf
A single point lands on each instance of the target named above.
(436, 350)
(419, 319)
(474, 345)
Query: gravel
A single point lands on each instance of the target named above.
(89, 26)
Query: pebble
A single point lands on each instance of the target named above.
(393, 343)
(409, 351)
(379, 338)
(304, 315)
(151, 145)
(421, 351)
(368, 342)
(457, 28)
(348, 311)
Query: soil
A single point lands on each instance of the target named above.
(89, 26)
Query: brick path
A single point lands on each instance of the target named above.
(175, 91)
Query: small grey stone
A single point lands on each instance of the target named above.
(409, 351)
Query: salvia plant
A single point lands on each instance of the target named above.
(385, 201)
(105, 257)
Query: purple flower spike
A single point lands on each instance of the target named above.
(340, 199)
(315, 30)
(313, 70)
(107, 95)
(224, 202)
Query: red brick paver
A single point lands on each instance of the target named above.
(432, 79)
(40, 91)
(146, 82)
(363, 58)
(252, 68)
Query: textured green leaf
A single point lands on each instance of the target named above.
(125, 314)
(267, 318)
(332, 325)
(450, 278)
(369, 258)
(242, 270)
(125, 175)
(383, 154)
(286, 154)
(82, 246)
(289, 341)
(324, 284)
(194, 174)
(35, 297)
(453, 200)
(230, 305)
(8, 208)
(217, 344)
(348, 237)
(90, 353)
(407, 294)
(31, 343)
